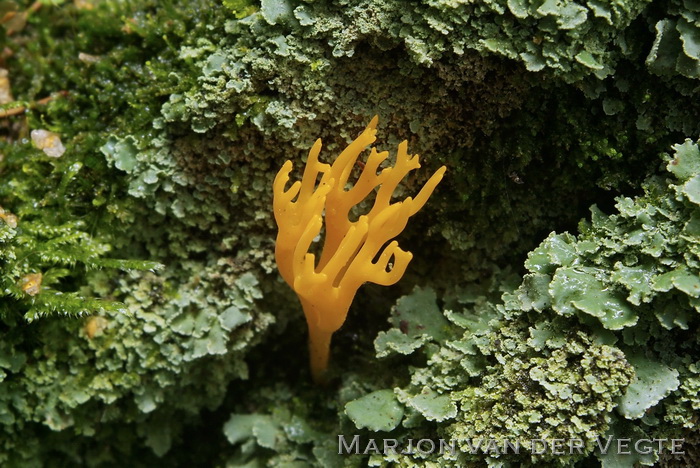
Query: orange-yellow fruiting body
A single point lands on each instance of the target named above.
(327, 287)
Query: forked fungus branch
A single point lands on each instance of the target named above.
(327, 287)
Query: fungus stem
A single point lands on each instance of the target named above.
(319, 352)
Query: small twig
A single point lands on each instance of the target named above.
(47, 99)
(11, 112)
(35, 6)
(22, 109)
(25, 14)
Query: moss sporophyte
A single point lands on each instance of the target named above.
(326, 288)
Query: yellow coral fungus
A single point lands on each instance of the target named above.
(326, 288)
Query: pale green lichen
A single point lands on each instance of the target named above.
(376, 411)
(653, 382)
(676, 48)
(167, 358)
(638, 261)
(516, 380)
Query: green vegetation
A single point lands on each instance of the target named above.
(142, 319)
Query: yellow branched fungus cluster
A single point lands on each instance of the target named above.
(327, 287)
